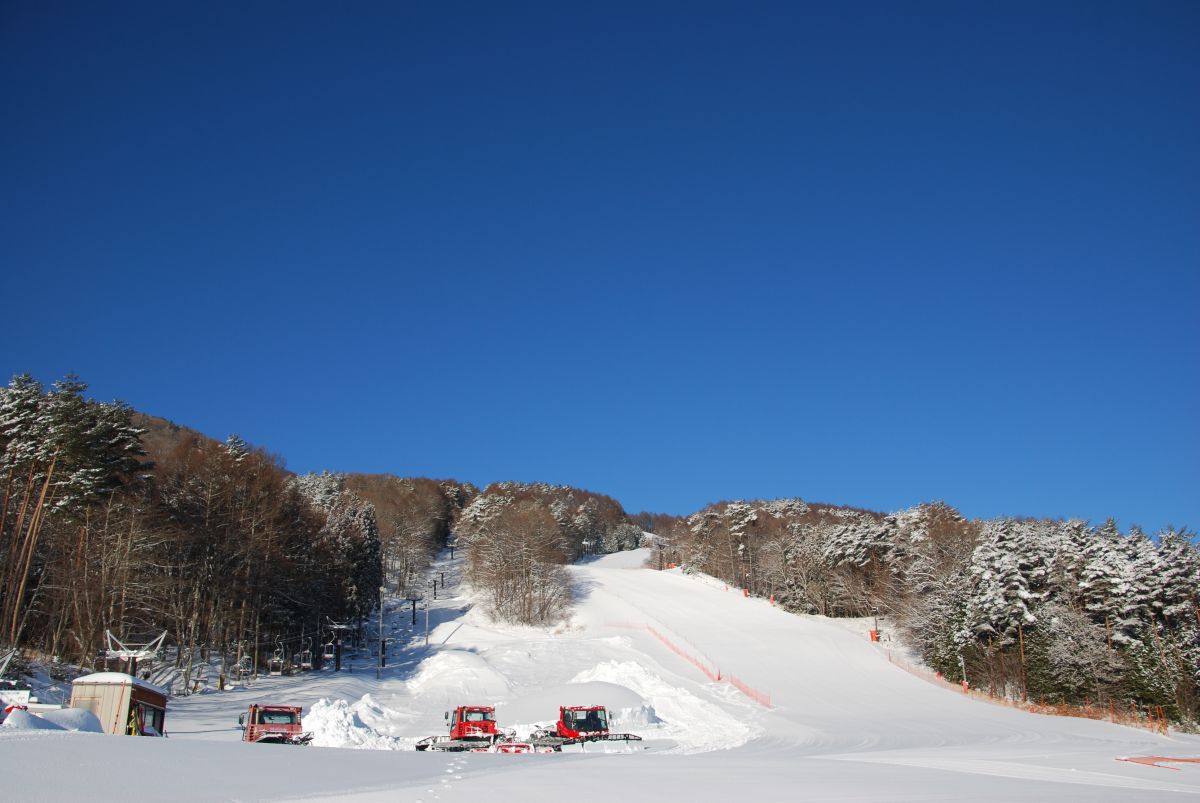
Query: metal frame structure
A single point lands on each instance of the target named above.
(133, 651)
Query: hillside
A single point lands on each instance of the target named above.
(163, 436)
(842, 722)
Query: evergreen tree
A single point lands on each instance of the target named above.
(1179, 582)
(1067, 542)
(1105, 582)
(1142, 593)
(1008, 573)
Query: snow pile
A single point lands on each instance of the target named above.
(382, 718)
(21, 720)
(337, 723)
(633, 719)
(671, 712)
(74, 719)
(458, 675)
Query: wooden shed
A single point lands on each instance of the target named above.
(125, 705)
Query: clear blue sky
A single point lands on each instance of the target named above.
(864, 253)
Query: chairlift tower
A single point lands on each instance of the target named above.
(132, 652)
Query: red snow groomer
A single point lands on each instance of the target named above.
(473, 727)
(273, 724)
(578, 724)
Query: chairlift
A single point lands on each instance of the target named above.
(306, 658)
(327, 654)
(276, 663)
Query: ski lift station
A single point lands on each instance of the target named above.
(125, 705)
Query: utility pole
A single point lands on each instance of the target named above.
(426, 624)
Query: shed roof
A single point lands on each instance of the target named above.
(118, 678)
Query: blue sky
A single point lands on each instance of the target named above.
(868, 253)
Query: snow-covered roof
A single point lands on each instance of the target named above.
(118, 678)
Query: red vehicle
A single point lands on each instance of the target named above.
(577, 724)
(473, 727)
(273, 724)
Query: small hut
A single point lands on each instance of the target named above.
(125, 705)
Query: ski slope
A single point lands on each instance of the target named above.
(842, 723)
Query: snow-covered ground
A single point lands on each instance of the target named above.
(819, 714)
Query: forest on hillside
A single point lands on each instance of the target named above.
(215, 543)
(1049, 610)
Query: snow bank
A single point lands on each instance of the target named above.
(670, 712)
(457, 676)
(24, 721)
(338, 723)
(74, 719)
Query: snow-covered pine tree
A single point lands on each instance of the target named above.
(857, 540)
(739, 518)
(1105, 582)
(23, 433)
(1179, 583)
(1142, 593)
(1067, 542)
(1008, 573)
(237, 446)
